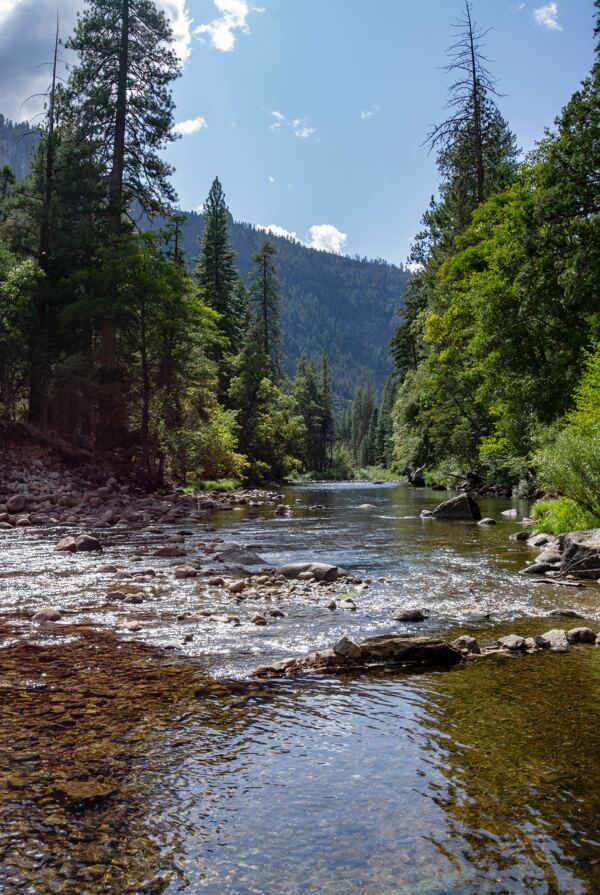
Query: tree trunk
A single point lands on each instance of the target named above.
(112, 411)
(118, 155)
(40, 364)
(478, 147)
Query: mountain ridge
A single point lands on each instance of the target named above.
(346, 305)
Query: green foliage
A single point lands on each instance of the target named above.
(571, 467)
(505, 305)
(222, 485)
(266, 307)
(586, 413)
(561, 515)
(218, 280)
(311, 390)
(119, 96)
(18, 280)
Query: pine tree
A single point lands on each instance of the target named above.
(120, 98)
(218, 280)
(119, 101)
(266, 306)
(327, 432)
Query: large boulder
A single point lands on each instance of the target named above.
(320, 571)
(16, 503)
(581, 554)
(83, 543)
(461, 509)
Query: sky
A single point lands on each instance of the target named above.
(313, 113)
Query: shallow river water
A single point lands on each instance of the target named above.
(484, 779)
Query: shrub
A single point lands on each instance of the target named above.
(571, 468)
(562, 514)
(220, 485)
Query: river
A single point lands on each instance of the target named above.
(479, 781)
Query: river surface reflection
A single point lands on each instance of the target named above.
(479, 781)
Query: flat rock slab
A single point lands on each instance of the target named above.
(461, 509)
(242, 556)
(387, 650)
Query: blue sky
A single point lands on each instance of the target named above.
(354, 84)
(357, 85)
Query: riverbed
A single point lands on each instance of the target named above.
(484, 779)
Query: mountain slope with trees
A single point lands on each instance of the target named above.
(346, 306)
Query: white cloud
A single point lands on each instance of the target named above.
(278, 120)
(327, 238)
(368, 113)
(300, 126)
(191, 126)
(276, 230)
(324, 237)
(26, 41)
(271, 179)
(181, 24)
(547, 17)
(233, 18)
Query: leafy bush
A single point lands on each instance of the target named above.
(571, 467)
(562, 514)
(220, 485)
(447, 472)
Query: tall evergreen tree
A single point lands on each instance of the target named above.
(266, 306)
(120, 103)
(327, 432)
(121, 100)
(218, 279)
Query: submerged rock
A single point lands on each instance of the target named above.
(410, 615)
(538, 568)
(242, 556)
(50, 614)
(564, 613)
(487, 521)
(461, 509)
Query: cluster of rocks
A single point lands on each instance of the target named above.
(572, 555)
(417, 653)
(40, 493)
(387, 650)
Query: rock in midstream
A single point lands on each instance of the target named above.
(386, 650)
(461, 509)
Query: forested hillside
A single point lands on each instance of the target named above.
(347, 306)
(498, 355)
(17, 142)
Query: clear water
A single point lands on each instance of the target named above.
(485, 779)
